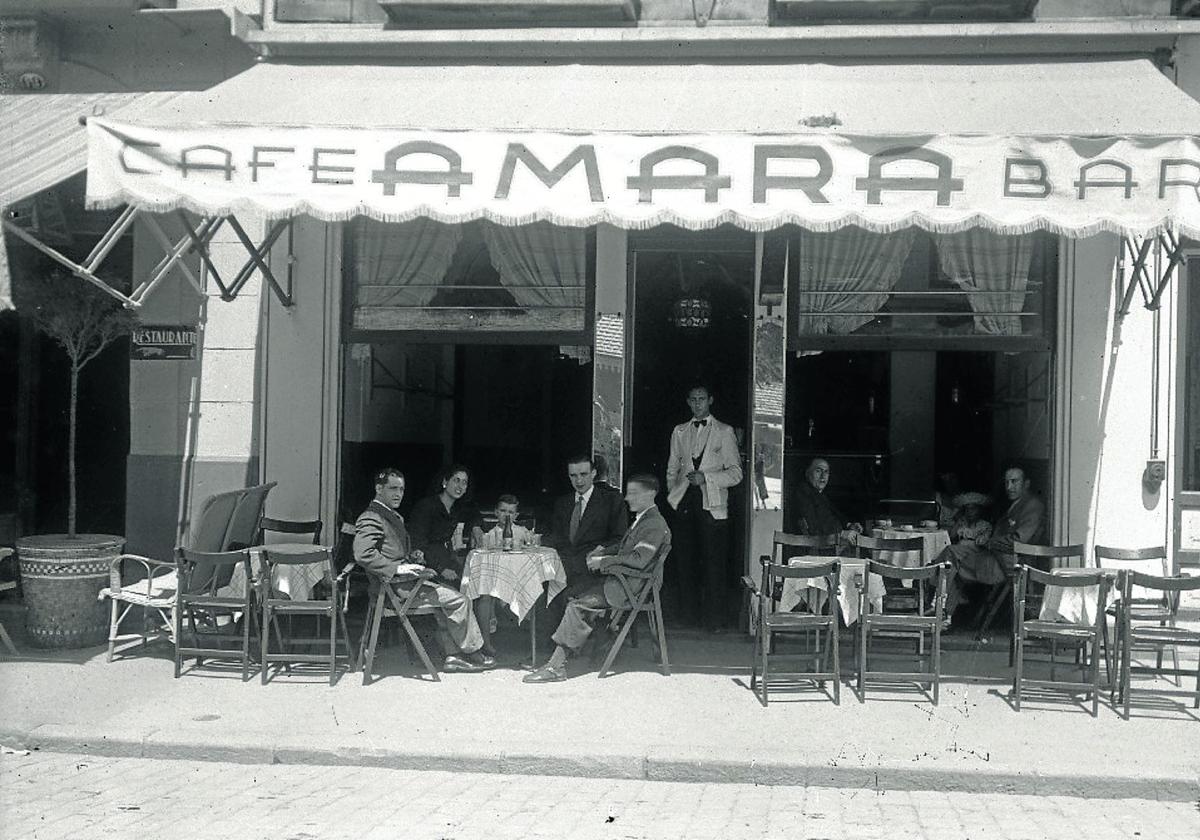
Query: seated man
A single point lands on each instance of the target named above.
(989, 563)
(638, 549)
(814, 514)
(592, 516)
(508, 508)
(382, 547)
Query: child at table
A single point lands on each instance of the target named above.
(508, 508)
(969, 524)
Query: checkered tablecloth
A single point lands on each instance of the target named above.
(515, 577)
(812, 592)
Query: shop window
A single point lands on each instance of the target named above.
(432, 280)
(489, 13)
(853, 289)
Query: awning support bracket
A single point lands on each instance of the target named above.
(75, 268)
(1151, 287)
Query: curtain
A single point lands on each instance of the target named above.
(402, 264)
(993, 269)
(848, 270)
(540, 264)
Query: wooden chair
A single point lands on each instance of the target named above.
(199, 574)
(1035, 556)
(273, 606)
(1075, 634)
(399, 594)
(1045, 558)
(773, 622)
(5, 639)
(910, 598)
(1146, 606)
(1155, 634)
(642, 588)
(903, 625)
(153, 593)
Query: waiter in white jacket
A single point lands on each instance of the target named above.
(703, 464)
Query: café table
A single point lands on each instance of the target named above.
(296, 582)
(518, 578)
(812, 592)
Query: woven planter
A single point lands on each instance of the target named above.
(62, 578)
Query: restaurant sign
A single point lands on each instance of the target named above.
(821, 180)
(157, 342)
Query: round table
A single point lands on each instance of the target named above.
(518, 578)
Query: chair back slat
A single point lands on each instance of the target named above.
(1074, 580)
(1177, 583)
(1071, 555)
(290, 527)
(292, 558)
(804, 570)
(812, 541)
(887, 570)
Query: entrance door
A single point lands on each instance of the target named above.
(690, 304)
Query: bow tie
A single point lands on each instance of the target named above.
(699, 423)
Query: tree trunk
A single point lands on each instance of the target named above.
(71, 451)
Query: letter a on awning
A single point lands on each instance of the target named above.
(1071, 147)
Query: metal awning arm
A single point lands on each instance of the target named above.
(257, 259)
(75, 268)
(173, 254)
(1139, 251)
(1172, 247)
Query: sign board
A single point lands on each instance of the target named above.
(163, 342)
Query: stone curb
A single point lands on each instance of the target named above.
(659, 764)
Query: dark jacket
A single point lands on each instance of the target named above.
(604, 522)
(432, 529)
(814, 514)
(381, 541)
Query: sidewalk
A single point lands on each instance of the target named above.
(701, 724)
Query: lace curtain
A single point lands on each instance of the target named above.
(402, 264)
(994, 271)
(848, 270)
(540, 264)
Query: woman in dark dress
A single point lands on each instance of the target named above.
(434, 524)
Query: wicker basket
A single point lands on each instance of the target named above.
(62, 578)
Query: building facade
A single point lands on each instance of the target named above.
(935, 340)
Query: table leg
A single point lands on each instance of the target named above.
(533, 636)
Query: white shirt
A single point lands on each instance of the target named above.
(583, 499)
(698, 436)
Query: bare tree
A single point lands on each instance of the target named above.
(81, 319)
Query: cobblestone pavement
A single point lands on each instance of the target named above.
(57, 796)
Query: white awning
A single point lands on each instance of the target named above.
(1074, 147)
(43, 142)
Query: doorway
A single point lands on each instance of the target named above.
(691, 304)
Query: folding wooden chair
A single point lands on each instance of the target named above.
(642, 588)
(899, 598)
(773, 621)
(273, 606)
(1045, 558)
(1075, 634)
(199, 574)
(1145, 606)
(5, 639)
(400, 594)
(1155, 634)
(903, 625)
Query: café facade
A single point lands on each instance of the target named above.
(915, 263)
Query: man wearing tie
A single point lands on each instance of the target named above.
(704, 462)
(591, 516)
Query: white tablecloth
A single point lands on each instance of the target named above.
(296, 582)
(1075, 604)
(515, 577)
(811, 592)
(936, 540)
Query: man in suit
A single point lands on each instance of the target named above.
(1024, 521)
(639, 548)
(704, 463)
(592, 516)
(382, 547)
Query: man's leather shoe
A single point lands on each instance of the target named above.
(483, 660)
(545, 674)
(459, 665)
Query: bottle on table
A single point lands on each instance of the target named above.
(506, 539)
